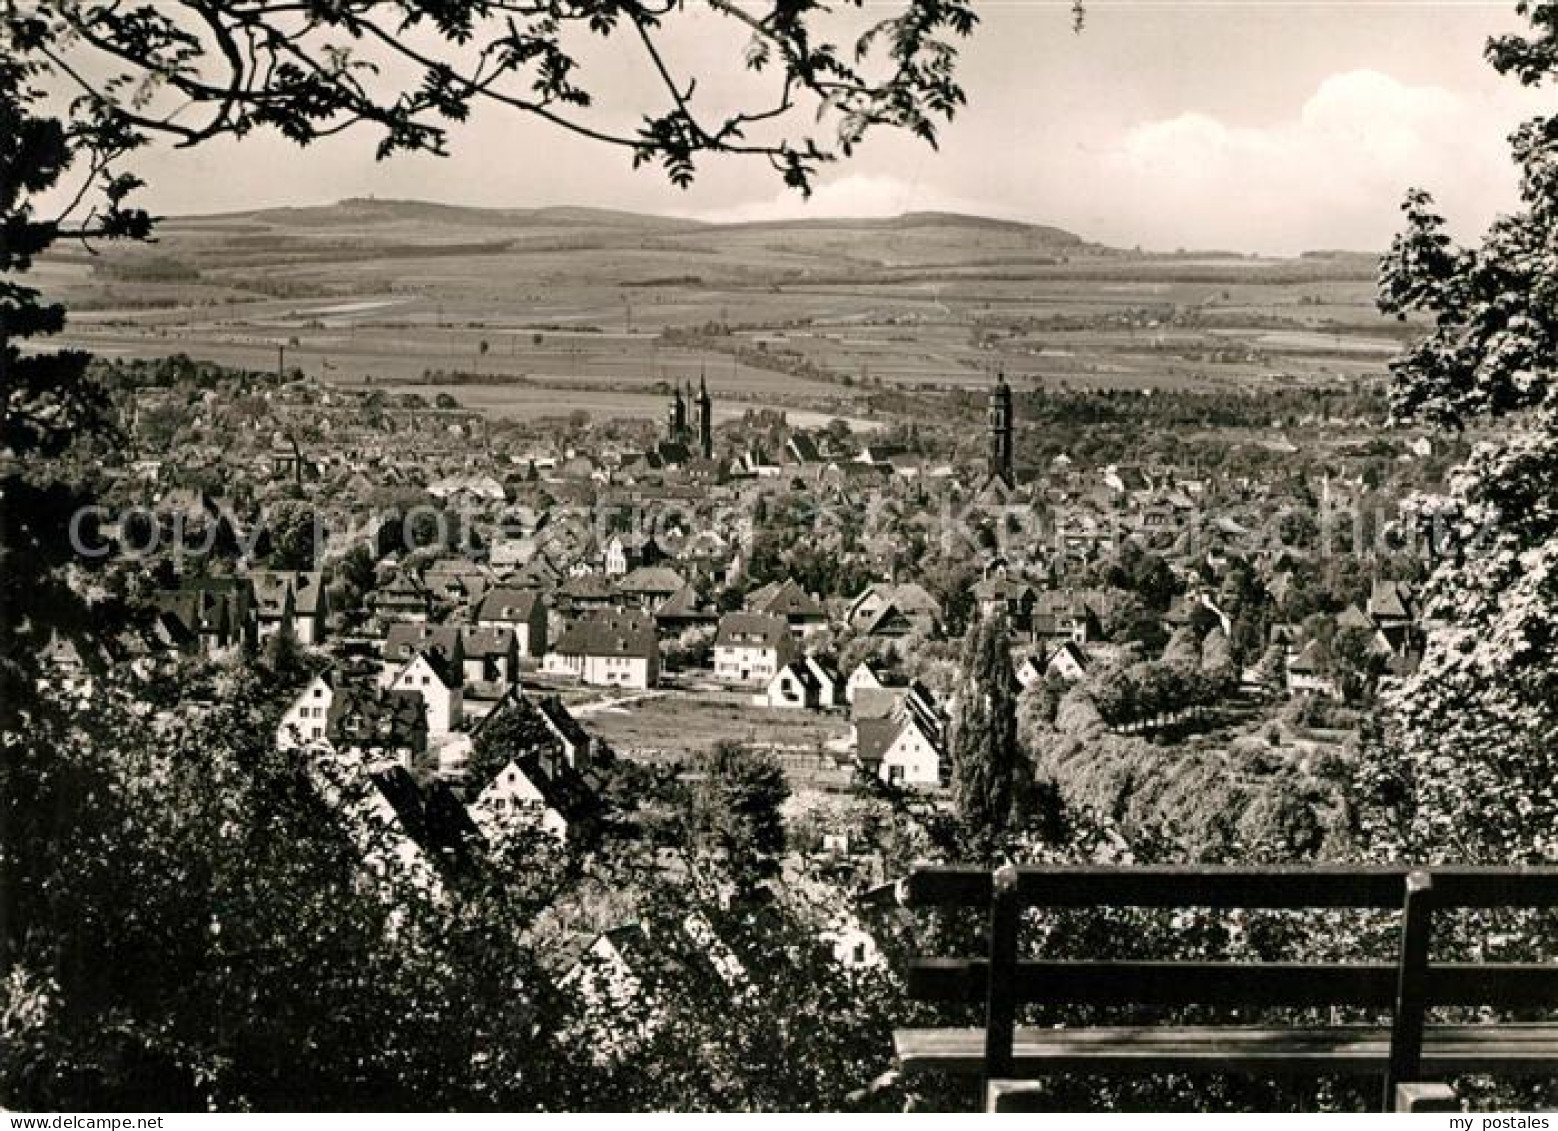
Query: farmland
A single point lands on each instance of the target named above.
(546, 311)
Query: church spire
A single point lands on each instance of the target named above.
(998, 463)
(705, 419)
(676, 416)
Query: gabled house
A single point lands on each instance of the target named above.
(608, 649)
(540, 789)
(610, 980)
(490, 657)
(521, 611)
(541, 573)
(402, 641)
(1311, 672)
(806, 683)
(1066, 661)
(751, 648)
(755, 462)
(534, 724)
(793, 686)
(622, 973)
(404, 598)
(1391, 603)
(894, 610)
(377, 726)
(1009, 597)
(586, 593)
(900, 749)
(294, 602)
(1394, 608)
(863, 677)
(71, 664)
(211, 613)
(424, 830)
(306, 719)
(682, 610)
(1030, 672)
(878, 455)
(1064, 617)
(439, 679)
(800, 610)
(649, 587)
(802, 449)
(830, 685)
(456, 583)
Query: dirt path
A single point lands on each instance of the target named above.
(595, 705)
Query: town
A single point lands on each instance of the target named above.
(769, 556)
(474, 630)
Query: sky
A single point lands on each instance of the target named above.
(1272, 126)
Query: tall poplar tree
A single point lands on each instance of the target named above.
(987, 762)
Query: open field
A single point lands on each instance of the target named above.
(679, 723)
(596, 310)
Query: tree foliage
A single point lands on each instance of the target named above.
(409, 71)
(987, 762)
(1471, 746)
(734, 810)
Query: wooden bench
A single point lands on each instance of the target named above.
(1403, 1052)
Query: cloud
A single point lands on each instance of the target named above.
(1331, 176)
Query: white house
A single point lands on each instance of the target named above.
(793, 686)
(608, 981)
(1067, 661)
(751, 648)
(852, 945)
(807, 683)
(1031, 671)
(901, 750)
(305, 720)
(830, 688)
(865, 676)
(520, 610)
(438, 681)
(608, 649)
(512, 799)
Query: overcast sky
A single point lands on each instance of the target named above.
(1257, 125)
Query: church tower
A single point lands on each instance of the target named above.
(998, 464)
(676, 418)
(705, 417)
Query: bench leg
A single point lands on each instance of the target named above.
(1000, 994)
(1406, 1034)
(1415, 1097)
(1014, 1096)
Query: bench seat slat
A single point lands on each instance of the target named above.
(1507, 985)
(1253, 887)
(1340, 1050)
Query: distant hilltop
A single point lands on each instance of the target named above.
(420, 220)
(384, 210)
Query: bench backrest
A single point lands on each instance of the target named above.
(1408, 986)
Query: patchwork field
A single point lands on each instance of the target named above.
(562, 309)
